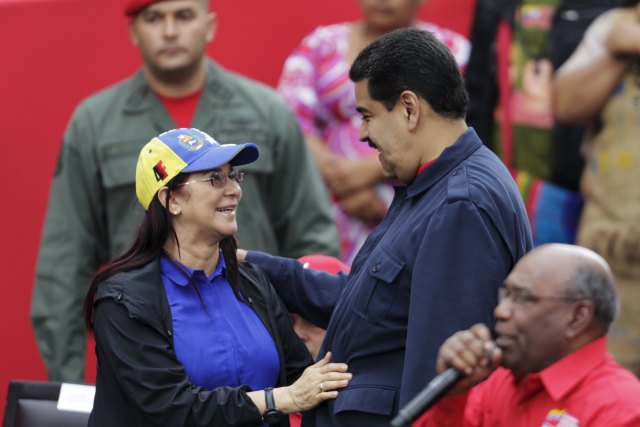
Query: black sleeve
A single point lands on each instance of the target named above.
(140, 359)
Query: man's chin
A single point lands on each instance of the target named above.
(388, 174)
(173, 72)
(387, 170)
(509, 360)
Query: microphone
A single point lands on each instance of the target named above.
(427, 397)
(436, 388)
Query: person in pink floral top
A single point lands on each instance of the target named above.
(315, 84)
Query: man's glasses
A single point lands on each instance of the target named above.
(521, 296)
(219, 180)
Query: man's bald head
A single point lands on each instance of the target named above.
(558, 298)
(579, 272)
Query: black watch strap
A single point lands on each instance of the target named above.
(271, 415)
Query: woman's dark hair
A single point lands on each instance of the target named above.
(152, 234)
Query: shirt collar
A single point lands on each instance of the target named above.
(451, 157)
(561, 377)
(424, 166)
(215, 90)
(180, 274)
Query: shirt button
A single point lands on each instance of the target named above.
(376, 267)
(169, 332)
(119, 297)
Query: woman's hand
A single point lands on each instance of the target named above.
(318, 383)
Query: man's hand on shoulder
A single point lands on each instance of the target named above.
(241, 254)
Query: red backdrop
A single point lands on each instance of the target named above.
(56, 52)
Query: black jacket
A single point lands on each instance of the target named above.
(140, 382)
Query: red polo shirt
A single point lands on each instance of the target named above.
(585, 389)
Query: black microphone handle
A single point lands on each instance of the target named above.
(427, 397)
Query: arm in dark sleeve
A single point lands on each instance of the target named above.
(460, 265)
(141, 360)
(71, 249)
(310, 293)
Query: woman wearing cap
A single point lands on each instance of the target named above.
(184, 334)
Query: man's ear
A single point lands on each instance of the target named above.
(581, 318)
(212, 23)
(411, 107)
(132, 31)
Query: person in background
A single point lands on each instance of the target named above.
(600, 86)
(315, 84)
(310, 334)
(517, 45)
(434, 264)
(92, 214)
(184, 335)
(551, 327)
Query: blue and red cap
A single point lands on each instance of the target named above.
(184, 150)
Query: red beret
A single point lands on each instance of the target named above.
(132, 7)
(325, 263)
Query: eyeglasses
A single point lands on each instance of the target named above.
(218, 180)
(521, 296)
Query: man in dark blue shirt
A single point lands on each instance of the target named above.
(434, 265)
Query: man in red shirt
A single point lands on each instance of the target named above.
(551, 326)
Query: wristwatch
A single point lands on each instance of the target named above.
(271, 415)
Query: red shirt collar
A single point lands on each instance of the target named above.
(561, 377)
(181, 109)
(424, 166)
(567, 372)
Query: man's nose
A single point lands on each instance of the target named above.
(504, 309)
(169, 28)
(363, 135)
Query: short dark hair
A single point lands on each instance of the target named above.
(414, 60)
(596, 285)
